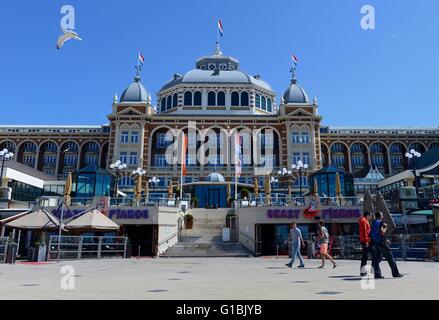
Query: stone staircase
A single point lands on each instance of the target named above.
(205, 238)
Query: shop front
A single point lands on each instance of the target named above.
(150, 230)
(264, 230)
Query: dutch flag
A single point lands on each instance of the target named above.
(220, 28)
(295, 60)
(141, 58)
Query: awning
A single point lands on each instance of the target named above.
(11, 218)
(92, 220)
(36, 220)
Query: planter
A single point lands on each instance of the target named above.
(189, 224)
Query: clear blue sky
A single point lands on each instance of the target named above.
(387, 76)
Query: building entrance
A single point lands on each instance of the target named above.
(213, 200)
(142, 238)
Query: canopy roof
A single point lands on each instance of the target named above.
(92, 220)
(41, 219)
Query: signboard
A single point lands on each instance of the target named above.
(120, 215)
(327, 214)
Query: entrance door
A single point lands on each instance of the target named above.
(213, 198)
(141, 239)
(268, 239)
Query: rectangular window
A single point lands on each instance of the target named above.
(123, 157)
(296, 157)
(126, 181)
(305, 138)
(124, 137)
(132, 158)
(378, 160)
(134, 137)
(358, 161)
(160, 160)
(70, 159)
(161, 141)
(295, 137)
(91, 160)
(49, 160)
(306, 159)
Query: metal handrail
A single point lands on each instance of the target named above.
(168, 238)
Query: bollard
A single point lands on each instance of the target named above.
(277, 251)
(403, 247)
(138, 253)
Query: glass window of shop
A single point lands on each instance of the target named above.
(92, 182)
(24, 192)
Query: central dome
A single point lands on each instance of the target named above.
(215, 177)
(217, 69)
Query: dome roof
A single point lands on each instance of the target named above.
(295, 94)
(217, 69)
(215, 177)
(135, 92)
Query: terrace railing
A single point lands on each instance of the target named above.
(86, 247)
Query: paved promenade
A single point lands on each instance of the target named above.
(212, 278)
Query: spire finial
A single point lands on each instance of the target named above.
(116, 99)
(293, 74)
(218, 49)
(139, 70)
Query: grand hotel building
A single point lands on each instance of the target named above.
(215, 94)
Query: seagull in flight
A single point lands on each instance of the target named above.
(68, 34)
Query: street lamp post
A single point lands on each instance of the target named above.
(413, 154)
(153, 182)
(118, 167)
(300, 169)
(138, 173)
(5, 155)
(285, 174)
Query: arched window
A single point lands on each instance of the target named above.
(174, 100)
(188, 98)
(211, 98)
(221, 98)
(197, 98)
(269, 109)
(263, 103)
(258, 101)
(244, 99)
(163, 104)
(235, 98)
(169, 103)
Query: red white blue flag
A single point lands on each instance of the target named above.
(141, 58)
(295, 60)
(238, 154)
(220, 28)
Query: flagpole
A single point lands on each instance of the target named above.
(181, 169)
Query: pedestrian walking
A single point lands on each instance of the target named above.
(381, 247)
(364, 227)
(324, 241)
(296, 239)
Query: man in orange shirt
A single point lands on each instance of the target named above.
(364, 240)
